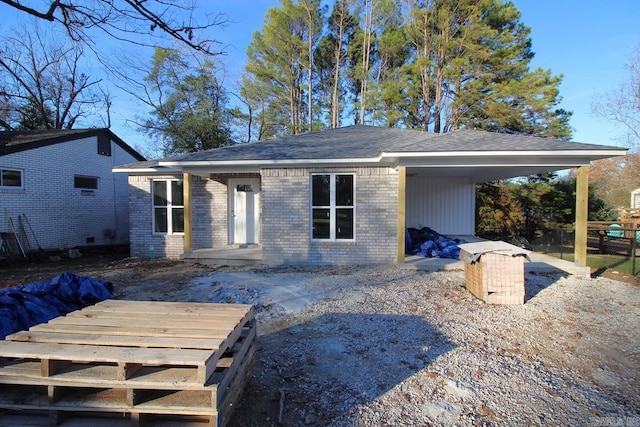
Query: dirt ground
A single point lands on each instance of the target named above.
(392, 346)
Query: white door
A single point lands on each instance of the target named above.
(244, 211)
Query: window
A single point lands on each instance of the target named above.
(86, 182)
(10, 178)
(332, 207)
(168, 206)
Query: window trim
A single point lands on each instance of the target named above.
(332, 208)
(12, 187)
(169, 207)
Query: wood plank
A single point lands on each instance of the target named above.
(92, 353)
(163, 306)
(154, 324)
(118, 340)
(163, 316)
(213, 333)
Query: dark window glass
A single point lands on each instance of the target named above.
(344, 190)
(11, 178)
(344, 223)
(177, 220)
(159, 193)
(321, 190)
(160, 220)
(177, 196)
(321, 226)
(88, 182)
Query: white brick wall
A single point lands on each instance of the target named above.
(61, 217)
(286, 227)
(286, 234)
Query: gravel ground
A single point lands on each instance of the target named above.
(373, 346)
(388, 346)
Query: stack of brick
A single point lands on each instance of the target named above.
(494, 271)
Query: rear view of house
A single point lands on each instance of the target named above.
(58, 188)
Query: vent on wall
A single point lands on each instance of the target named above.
(104, 145)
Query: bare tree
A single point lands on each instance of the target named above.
(43, 85)
(622, 105)
(128, 20)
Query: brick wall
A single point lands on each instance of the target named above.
(209, 213)
(144, 243)
(61, 215)
(286, 222)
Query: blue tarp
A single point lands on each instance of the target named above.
(431, 244)
(25, 306)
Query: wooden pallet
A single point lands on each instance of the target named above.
(142, 360)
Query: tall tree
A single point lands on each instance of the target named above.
(275, 57)
(45, 85)
(189, 105)
(126, 20)
(472, 63)
(331, 57)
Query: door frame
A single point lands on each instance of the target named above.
(232, 186)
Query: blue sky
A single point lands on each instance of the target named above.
(587, 41)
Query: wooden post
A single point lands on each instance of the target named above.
(187, 211)
(402, 194)
(582, 214)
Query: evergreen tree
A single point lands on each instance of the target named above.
(189, 105)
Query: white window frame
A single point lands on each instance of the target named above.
(332, 207)
(169, 207)
(12, 187)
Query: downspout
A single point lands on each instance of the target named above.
(402, 191)
(187, 211)
(582, 215)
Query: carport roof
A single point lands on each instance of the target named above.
(421, 151)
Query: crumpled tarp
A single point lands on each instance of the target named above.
(428, 243)
(25, 306)
(471, 252)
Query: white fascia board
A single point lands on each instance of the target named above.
(538, 153)
(269, 163)
(146, 170)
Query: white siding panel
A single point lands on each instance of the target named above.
(445, 204)
(59, 214)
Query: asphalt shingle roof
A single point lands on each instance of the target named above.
(357, 142)
(16, 141)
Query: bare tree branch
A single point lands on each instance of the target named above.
(126, 20)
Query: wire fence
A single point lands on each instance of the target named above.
(621, 245)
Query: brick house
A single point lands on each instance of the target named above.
(340, 196)
(61, 181)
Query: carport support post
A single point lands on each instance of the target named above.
(582, 215)
(187, 211)
(402, 191)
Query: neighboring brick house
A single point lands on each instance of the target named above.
(341, 196)
(62, 182)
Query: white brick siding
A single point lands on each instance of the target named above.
(285, 212)
(286, 220)
(61, 217)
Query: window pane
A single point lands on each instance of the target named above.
(321, 190)
(89, 182)
(344, 190)
(344, 223)
(159, 193)
(321, 225)
(177, 220)
(160, 220)
(177, 196)
(11, 178)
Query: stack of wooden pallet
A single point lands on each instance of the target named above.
(131, 362)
